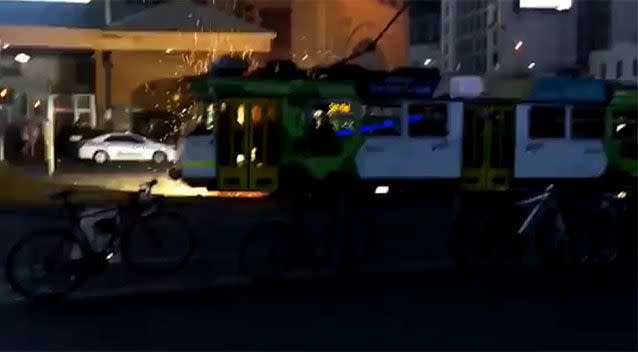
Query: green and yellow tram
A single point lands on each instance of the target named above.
(262, 133)
(620, 132)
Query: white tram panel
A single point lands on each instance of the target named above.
(198, 157)
(415, 155)
(554, 154)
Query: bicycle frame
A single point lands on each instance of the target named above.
(135, 208)
(541, 202)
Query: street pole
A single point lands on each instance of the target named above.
(107, 12)
(2, 126)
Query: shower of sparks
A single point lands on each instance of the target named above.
(175, 98)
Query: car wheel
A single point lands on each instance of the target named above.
(159, 157)
(100, 157)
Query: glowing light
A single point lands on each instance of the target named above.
(304, 58)
(109, 256)
(531, 65)
(518, 45)
(618, 128)
(339, 108)
(37, 104)
(169, 50)
(6, 46)
(559, 5)
(22, 58)
(427, 62)
(382, 190)
(621, 195)
(4, 93)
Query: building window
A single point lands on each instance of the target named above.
(427, 120)
(546, 122)
(635, 67)
(495, 59)
(619, 69)
(588, 123)
(603, 70)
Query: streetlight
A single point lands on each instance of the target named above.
(518, 45)
(531, 65)
(427, 62)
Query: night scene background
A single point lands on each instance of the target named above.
(318, 174)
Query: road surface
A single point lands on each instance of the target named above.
(438, 312)
(209, 305)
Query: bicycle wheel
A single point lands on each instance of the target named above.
(46, 265)
(265, 252)
(160, 243)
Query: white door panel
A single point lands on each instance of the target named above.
(437, 157)
(199, 157)
(380, 158)
(538, 158)
(115, 150)
(588, 159)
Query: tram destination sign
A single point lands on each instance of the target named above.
(399, 86)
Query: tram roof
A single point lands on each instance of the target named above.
(627, 97)
(206, 86)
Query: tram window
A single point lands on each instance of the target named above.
(338, 114)
(381, 120)
(327, 123)
(625, 124)
(588, 123)
(204, 116)
(427, 120)
(546, 122)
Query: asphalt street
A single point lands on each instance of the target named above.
(209, 305)
(438, 312)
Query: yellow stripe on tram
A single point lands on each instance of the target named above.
(198, 164)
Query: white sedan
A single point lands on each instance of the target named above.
(125, 147)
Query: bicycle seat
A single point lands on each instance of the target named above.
(61, 195)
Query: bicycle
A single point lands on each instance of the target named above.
(546, 223)
(71, 256)
(553, 239)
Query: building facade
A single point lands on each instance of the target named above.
(618, 59)
(508, 36)
(425, 33)
(114, 51)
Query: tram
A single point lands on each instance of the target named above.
(269, 131)
(621, 131)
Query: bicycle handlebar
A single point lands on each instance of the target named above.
(539, 198)
(148, 186)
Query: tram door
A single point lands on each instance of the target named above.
(248, 145)
(488, 147)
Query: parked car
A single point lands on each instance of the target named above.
(125, 147)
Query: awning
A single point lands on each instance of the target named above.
(127, 40)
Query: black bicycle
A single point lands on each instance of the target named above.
(54, 262)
